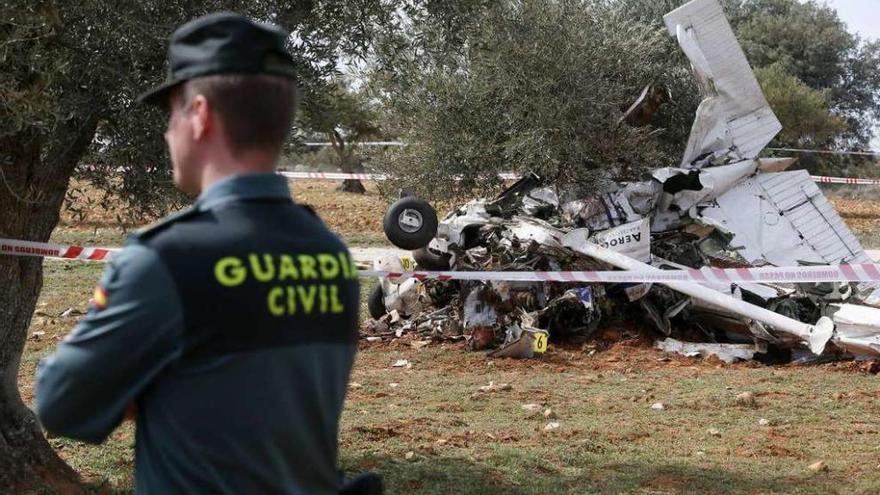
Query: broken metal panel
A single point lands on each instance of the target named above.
(478, 312)
(783, 219)
(526, 230)
(404, 296)
(522, 341)
(735, 115)
(642, 196)
(540, 202)
(601, 211)
(705, 184)
(857, 328)
(632, 239)
(452, 230)
(728, 353)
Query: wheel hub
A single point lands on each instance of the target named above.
(410, 221)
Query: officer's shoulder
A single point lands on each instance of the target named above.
(151, 231)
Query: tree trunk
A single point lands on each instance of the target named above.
(348, 163)
(32, 188)
(351, 164)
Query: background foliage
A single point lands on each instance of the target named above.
(543, 85)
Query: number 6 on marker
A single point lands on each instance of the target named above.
(540, 342)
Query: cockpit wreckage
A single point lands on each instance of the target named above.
(721, 207)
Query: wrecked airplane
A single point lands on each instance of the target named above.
(722, 206)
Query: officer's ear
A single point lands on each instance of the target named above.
(202, 115)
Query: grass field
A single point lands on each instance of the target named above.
(429, 430)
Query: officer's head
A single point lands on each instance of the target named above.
(230, 95)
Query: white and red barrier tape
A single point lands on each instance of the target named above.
(332, 176)
(865, 272)
(510, 175)
(364, 176)
(27, 248)
(846, 180)
(359, 176)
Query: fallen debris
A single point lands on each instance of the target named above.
(728, 353)
(493, 387)
(658, 406)
(723, 206)
(70, 313)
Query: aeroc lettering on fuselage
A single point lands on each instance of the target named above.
(624, 239)
(291, 299)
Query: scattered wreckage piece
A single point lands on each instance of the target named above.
(729, 353)
(856, 328)
(522, 340)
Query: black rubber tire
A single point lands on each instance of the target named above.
(418, 237)
(430, 260)
(376, 303)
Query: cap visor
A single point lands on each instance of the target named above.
(158, 96)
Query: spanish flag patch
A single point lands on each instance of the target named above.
(99, 298)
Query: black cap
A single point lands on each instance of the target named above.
(222, 43)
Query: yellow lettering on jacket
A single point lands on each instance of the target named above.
(307, 297)
(286, 268)
(230, 271)
(275, 306)
(329, 266)
(307, 267)
(265, 272)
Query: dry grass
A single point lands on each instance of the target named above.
(609, 439)
(862, 217)
(356, 217)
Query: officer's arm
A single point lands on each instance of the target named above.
(84, 388)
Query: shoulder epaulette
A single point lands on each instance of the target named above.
(166, 222)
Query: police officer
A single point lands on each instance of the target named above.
(229, 327)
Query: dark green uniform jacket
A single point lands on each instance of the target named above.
(232, 326)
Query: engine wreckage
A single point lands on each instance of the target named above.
(721, 207)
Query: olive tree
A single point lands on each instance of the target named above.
(532, 86)
(69, 74)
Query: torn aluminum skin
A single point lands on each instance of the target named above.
(734, 119)
(729, 353)
(404, 297)
(857, 329)
(784, 219)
